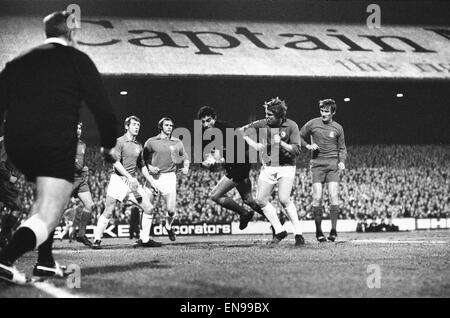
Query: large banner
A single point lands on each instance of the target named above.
(267, 49)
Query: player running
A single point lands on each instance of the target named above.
(279, 146)
(161, 155)
(123, 184)
(237, 171)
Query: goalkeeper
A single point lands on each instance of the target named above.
(237, 171)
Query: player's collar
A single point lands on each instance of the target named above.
(161, 138)
(132, 139)
(56, 40)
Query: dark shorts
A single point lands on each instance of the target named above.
(325, 170)
(80, 185)
(237, 172)
(40, 158)
(9, 195)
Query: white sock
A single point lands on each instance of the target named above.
(271, 214)
(146, 225)
(293, 216)
(38, 227)
(102, 223)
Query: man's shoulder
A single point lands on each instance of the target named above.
(337, 125)
(151, 140)
(290, 123)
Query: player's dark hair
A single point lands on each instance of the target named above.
(161, 122)
(56, 24)
(206, 111)
(328, 103)
(277, 106)
(128, 120)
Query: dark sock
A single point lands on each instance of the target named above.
(8, 225)
(334, 212)
(45, 255)
(24, 240)
(317, 211)
(84, 220)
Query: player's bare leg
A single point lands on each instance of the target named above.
(146, 221)
(103, 221)
(85, 216)
(218, 195)
(285, 185)
(171, 205)
(52, 195)
(333, 188)
(263, 194)
(9, 224)
(317, 189)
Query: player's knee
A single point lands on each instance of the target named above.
(261, 202)
(249, 200)
(214, 197)
(284, 201)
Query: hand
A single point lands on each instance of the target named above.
(185, 170)
(209, 161)
(153, 170)
(12, 179)
(276, 139)
(259, 146)
(312, 147)
(341, 166)
(133, 183)
(109, 155)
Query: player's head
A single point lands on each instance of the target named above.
(56, 25)
(276, 110)
(208, 116)
(165, 125)
(327, 109)
(132, 125)
(79, 129)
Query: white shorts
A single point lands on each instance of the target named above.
(272, 175)
(119, 190)
(165, 183)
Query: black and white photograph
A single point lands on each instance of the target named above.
(224, 154)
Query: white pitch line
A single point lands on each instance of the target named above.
(54, 291)
(381, 241)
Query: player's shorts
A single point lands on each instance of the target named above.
(237, 172)
(80, 185)
(165, 183)
(273, 174)
(9, 195)
(325, 170)
(40, 157)
(119, 190)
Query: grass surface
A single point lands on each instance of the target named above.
(412, 264)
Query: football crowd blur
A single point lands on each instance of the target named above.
(380, 182)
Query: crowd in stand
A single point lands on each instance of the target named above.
(380, 182)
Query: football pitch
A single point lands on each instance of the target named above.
(402, 264)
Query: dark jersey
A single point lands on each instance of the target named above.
(231, 146)
(328, 136)
(79, 157)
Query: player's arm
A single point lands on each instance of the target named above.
(305, 135)
(147, 154)
(342, 150)
(97, 100)
(248, 131)
(186, 162)
(5, 174)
